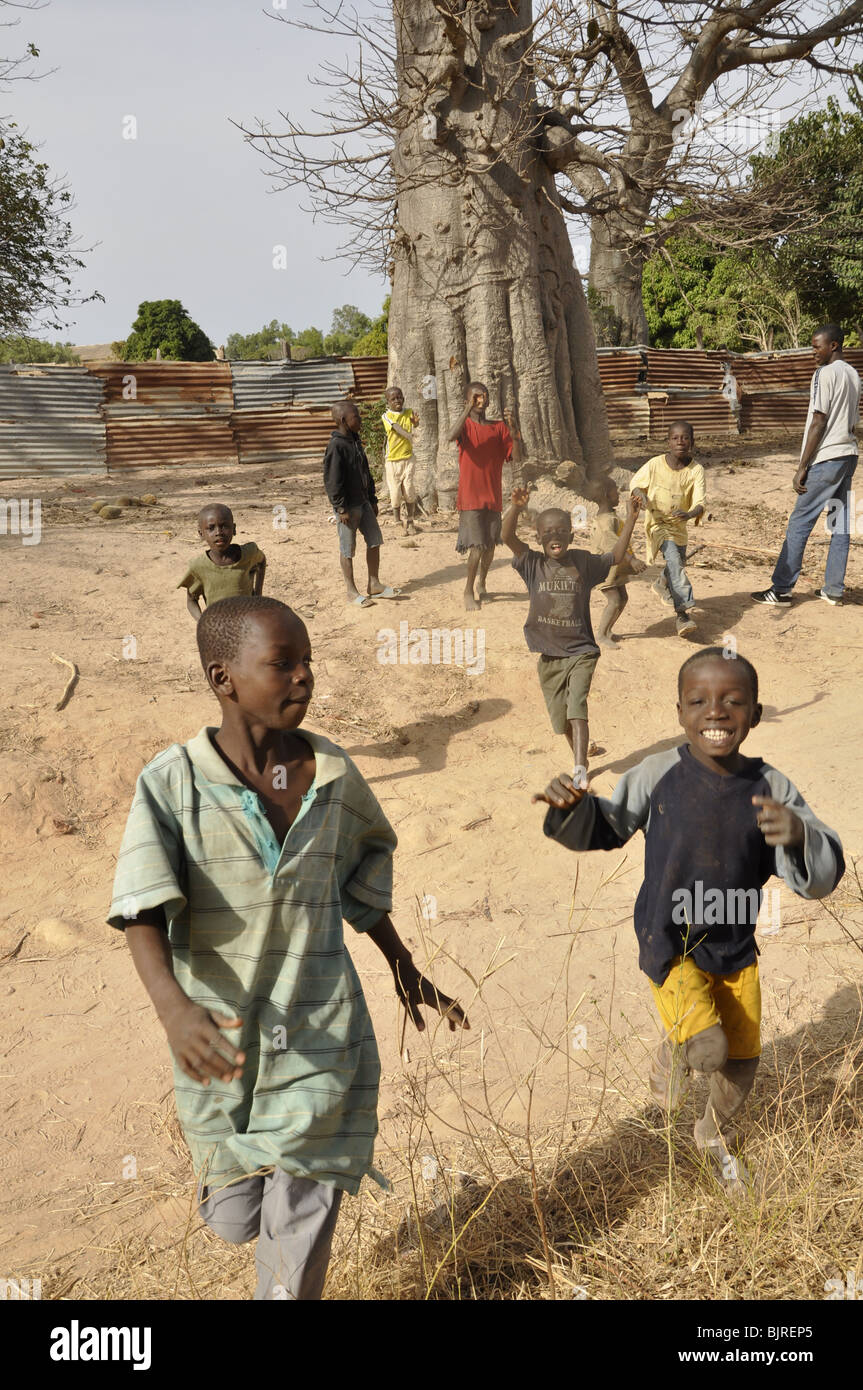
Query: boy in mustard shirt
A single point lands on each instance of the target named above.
(399, 456)
(225, 570)
(672, 489)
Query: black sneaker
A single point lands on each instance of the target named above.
(771, 596)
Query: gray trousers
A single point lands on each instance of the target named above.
(294, 1220)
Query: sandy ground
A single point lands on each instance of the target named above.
(537, 943)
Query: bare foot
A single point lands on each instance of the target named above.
(471, 604)
(375, 586)
(483, 594)
(606, 639)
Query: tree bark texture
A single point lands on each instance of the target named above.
(484, 282)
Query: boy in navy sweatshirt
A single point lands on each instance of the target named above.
(717, 826)
(351, 489)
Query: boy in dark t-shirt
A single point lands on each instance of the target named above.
(707, 855)
(559, 581)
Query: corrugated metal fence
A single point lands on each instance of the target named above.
(51, 420)
(115, 415)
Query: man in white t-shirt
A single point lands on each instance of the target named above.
(823, 477)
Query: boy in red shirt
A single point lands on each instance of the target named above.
(483, 445)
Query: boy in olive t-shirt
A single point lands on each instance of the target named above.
(225, 570)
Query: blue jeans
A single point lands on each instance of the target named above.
(825, 482)
(676, 577)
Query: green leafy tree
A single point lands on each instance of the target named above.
(37, 246)
(375, 343)
(349, 324)
(261, 346)
(373, 434)
(822, 153)
(164, 325)
(309, 343)
(32, 350)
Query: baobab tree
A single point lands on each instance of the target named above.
(626, 86)
(442, 173)
(461, 134)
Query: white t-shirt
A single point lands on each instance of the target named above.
(835, 393)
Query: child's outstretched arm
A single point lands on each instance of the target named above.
(412, 987)
(809, 854)
(519, 498)
(579, 820)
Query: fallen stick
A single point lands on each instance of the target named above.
(70, 684)
(723, 545)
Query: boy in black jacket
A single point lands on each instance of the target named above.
(351, 490)
(716, 826)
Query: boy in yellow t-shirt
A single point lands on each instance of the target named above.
(672, 488)
(225, 570)
(399, 456)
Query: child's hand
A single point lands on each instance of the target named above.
(344, 518)
(415, 419)
(636, 566)
(414, 989)
(680, 515)
(561, 792)
(636, 502)
(778, 823)
(519, 497)
(199, 1047)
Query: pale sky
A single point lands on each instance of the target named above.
(183, 211)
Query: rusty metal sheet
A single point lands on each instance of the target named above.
(707, 412)
(370, 377)
(621, 370)
(165, 383)
(50, 420)
(684, 370)
(265, 436)
(628, 416)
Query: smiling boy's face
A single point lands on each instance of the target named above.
(216, 527)
(554, 533)
(395, 399)
(271, 679)
(716, 710)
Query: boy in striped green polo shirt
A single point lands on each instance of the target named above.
(244, 850)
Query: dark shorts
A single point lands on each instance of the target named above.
(481, 528)
(362, 519)
(565, 682)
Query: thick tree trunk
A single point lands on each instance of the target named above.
(616, 269)
(484, 283)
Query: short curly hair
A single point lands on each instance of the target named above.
(713, 654)
(223, 625)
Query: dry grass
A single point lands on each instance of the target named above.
(608, 1202)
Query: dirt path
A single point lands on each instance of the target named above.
(531, 939)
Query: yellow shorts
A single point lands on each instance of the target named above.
(691, 1000)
